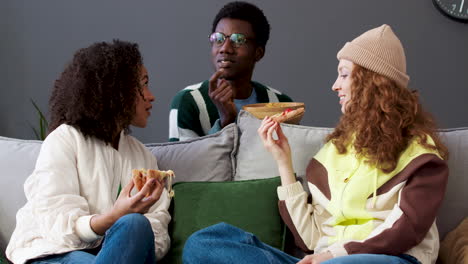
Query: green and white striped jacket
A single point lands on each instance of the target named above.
(193, 114)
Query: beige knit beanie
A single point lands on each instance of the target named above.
(380, 51)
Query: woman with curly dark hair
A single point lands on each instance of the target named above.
(81, 204)
(376, 184)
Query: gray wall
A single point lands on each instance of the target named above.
(39, 37)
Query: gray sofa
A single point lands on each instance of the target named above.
(233, 154)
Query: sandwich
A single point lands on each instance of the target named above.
(141, 176)
(288, 114)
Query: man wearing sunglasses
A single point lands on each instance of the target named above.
(239, 35)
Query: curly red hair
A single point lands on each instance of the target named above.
(381, 119)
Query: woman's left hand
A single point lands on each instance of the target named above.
(141, 202)
(316, 258)
(125, 204)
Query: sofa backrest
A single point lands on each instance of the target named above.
(17, 161)
(208, 158)
(455, 206)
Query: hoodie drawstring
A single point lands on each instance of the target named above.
(374, 195)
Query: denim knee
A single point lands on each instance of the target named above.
(137, 225)
(196, 239)
(195, 244)
(135, 219)
(208, 238)
(194, 247)
(222, 229)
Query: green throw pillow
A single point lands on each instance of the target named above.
(251, 205)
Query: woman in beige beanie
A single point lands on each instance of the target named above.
(376, 184)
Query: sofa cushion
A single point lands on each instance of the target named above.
(251, 205)
(255, 162)
(17, 161)
(208, 158)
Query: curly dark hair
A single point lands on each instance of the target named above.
(97, 91)
(247, 12)
(383, 117)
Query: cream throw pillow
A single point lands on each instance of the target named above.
(454, 248)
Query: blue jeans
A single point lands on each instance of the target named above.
(129, 240)
(223, 243)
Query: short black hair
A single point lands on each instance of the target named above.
(247, 12)
(97, 91)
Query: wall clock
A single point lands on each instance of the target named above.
(455, 9)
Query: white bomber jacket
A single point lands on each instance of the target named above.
(75, 178)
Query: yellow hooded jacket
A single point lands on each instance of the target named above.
(356, 208)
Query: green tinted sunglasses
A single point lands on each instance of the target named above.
(218, 38)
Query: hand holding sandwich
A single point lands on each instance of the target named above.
(127, 204)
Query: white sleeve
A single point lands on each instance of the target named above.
(159, 217)
(52, 191)
(298, 214)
